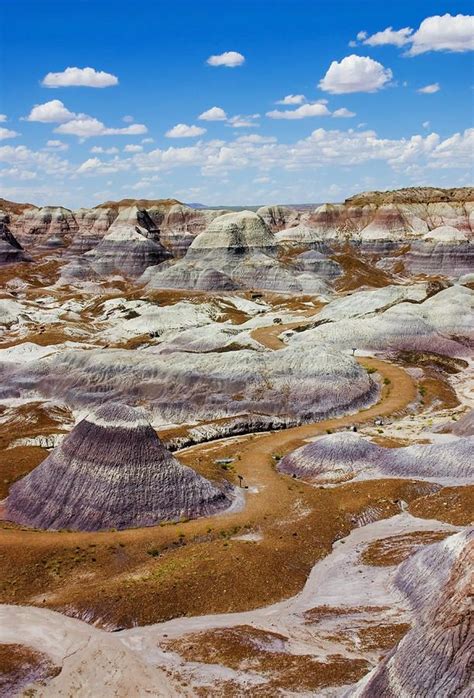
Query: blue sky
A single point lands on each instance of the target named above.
(151, 62)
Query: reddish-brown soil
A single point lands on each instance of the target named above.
(34, 419)
(16, 463)
(249, 649)
(146, 575)
(454, 505)
(393, 550)
(20, 665)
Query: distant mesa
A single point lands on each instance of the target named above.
(412, 195)
(412, 231)
(112, 471)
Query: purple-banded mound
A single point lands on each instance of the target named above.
(112, 471)
(346, 456)
(435, 658)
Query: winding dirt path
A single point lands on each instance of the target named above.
(196, 568)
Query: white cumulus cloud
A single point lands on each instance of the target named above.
(89, 165)
(355, 74)
(343, 113)
(185, 131)
(255, 138)
(3, 117)
(133, 148)
(80, 77)
(213, 114)
(229, 59)
(50, 112)
(429, 89)
(444, 33)
(87, 126)
(56, 145)
(306, 110)
(19, 174)
(292, 99)
(243, 121)
(388, 37)
(7, 133)
(436, 33)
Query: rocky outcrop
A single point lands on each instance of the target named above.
(132, 244)
(347, 456)
(93, 226)
(395, 216)
(443, 323)
(237, 251)
(234, 233)
(112, 471)
(301, 384)
(370, 219)
(318, 263)
(435, 657)
(431, 258)
(182, 224)
(10, 249)
(302, 233)
(278, 217)
(39, 226)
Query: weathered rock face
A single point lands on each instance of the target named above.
(234, 233)
(93, 226)
(338, 220)
(37, 226)
(432, 258)
(10, 249)
(346, 456)
(389, 222)
(112, 471)
(182, 224)
(301, 233)
(394, 216)
(125, 251)
(278, 217)
(443, 323)
(296, 384)
(318, 263)
(435, 656)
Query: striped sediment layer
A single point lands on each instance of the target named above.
(345, 456)
(112, 471)
(435, 656)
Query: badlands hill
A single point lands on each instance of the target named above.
(112, 471)
(311, 370)
(435, 656)
(397, 234)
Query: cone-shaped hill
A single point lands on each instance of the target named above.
(112, 471)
